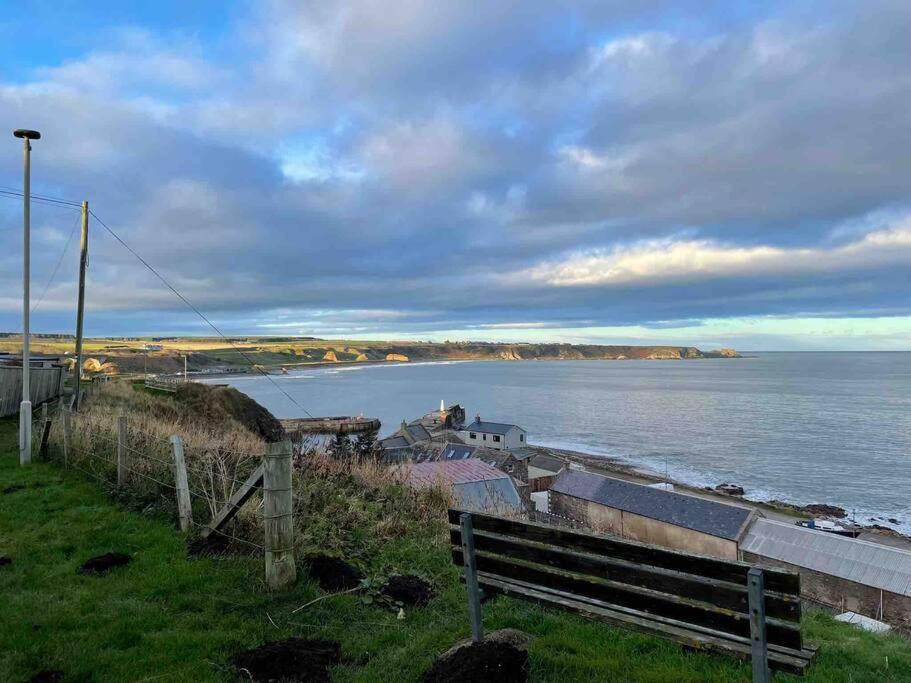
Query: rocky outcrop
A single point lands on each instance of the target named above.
(813, 509)
(397, 357)
(730, 489)
(330, 357)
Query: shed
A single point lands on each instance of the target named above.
(475, 484)
(635, 511)
(868, 578)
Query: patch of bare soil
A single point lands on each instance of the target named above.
(294, 659)
(409, 590)
(484, 661)
(333, 574)
(104, 563)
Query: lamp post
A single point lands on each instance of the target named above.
(25, 408)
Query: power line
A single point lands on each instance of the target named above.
(11, 193)
(57, 267)
(198, 312)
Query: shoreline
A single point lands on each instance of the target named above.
(429, 361)
(619, 469)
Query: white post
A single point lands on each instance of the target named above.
(25, 407)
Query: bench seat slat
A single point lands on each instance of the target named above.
(715, 591)
(776, 580)
(782, 659)
(646, 600)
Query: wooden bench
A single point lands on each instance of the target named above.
(702, 602)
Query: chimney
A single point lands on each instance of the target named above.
(442, 407)
(477, 418)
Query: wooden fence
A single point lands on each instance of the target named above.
(205, 499)
(45, 384)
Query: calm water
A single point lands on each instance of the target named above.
(804, 427)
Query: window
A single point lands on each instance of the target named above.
(509, 468)
(485, 437)
(496, 437)
(521, 437)
(472, 435)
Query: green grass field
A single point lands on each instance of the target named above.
(167, 617)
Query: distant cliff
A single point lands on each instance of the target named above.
(485, 351)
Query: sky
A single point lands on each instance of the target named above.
(696, 173)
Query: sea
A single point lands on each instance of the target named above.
(801, 427)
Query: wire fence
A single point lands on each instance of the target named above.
(122, 457)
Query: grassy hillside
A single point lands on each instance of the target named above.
(170, 616)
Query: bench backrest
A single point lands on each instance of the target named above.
(701, 591)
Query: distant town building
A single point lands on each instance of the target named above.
(152, 347)
(475, 485)
(496, 435)
(630, 510)
(543, 471)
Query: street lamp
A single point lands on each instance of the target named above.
(25, 408)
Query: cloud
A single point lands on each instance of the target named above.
(653, 262)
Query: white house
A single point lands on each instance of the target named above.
(494, 435)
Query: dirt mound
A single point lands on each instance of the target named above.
(333, 574)
(484, 661)
(214, 404)
(47, 676)
(294, 659)
(408, 589)
(104, 563)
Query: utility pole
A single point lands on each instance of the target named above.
(25, 407)
(184, 368)
(80, 305)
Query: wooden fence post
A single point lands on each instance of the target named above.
(123, 466)
(184, 507)
(760, 651)
(471, 578)
(67, 436)
(277, 516)
(45, 431)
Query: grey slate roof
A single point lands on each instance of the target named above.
(698, 514)
(489, 427)
(456, 451)
(394, 442)
(547, 462)
(870, 564)
(418, 432)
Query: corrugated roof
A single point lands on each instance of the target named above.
(451, 472)
(494, 495)
(690, 512)
(870, 564)
(489, 427)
